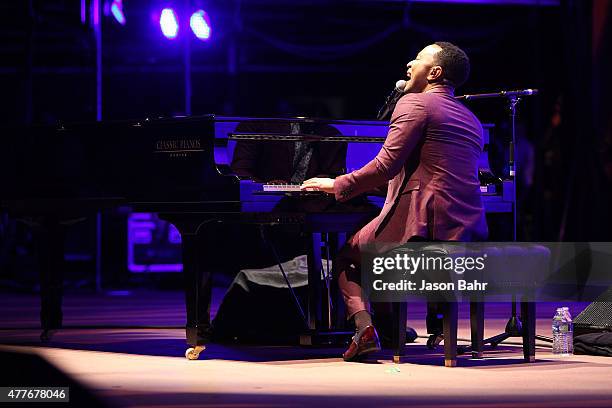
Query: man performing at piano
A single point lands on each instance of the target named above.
(429, 165)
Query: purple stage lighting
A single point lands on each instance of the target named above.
(117, 11)
(83, 11)
(169, 23)
(200, 25)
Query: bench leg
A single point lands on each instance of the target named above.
(450, 333)
(529, 328)
(399, 330)
(477, 327)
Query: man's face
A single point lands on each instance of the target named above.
(420, 70)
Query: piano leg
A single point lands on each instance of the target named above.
(49, 238)
(340, 311)
(314, 282)
(197, 283)
(198, 296)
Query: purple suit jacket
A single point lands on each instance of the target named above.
(430, 162)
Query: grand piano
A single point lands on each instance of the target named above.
(54, 176)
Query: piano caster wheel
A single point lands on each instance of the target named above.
(434, 340)
(46, 335)
(192, 353)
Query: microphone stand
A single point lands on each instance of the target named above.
(514, 326)
(385, 111)
(514, 97)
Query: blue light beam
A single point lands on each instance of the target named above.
(117, 11)
(169, 23)
(200, 25)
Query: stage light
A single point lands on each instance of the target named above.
(117, 11)
(200, 25)
(169, 23)
(83, 11)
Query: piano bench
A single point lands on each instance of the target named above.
(534, 262)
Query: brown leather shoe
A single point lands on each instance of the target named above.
(364, 342)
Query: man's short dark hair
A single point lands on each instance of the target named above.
(454, 62)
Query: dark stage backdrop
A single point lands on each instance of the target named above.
(336, 59)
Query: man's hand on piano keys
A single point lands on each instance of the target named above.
(319, 184)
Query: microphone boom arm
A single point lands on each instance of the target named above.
(501, 94)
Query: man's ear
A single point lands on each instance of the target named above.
(435, 74)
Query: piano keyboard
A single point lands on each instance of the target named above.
(486, 189)
(281, 187)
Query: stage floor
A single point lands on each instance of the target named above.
(136, 366)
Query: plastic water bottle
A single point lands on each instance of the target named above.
(563, 332)
(570, 331)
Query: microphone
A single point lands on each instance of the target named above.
(501, 94)
(521, 92)
(387, 109)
